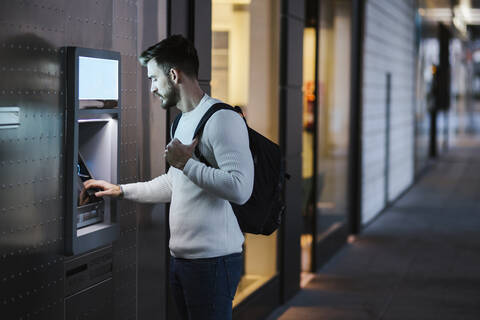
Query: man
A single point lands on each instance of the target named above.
(206, 240)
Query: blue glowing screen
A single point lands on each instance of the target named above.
(98, 79)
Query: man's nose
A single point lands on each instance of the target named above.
(153, 89)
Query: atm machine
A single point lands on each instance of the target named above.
(92, 142)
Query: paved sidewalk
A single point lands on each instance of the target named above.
(419, 260)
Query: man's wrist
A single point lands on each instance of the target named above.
(184, 164)
(121, 193)
(188, 165)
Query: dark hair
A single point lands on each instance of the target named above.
(173, 52)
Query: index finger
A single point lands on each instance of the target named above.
(92, 184)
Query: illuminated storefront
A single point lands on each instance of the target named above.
(326, 130)
(245, 73)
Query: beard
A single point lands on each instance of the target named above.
(171, 96)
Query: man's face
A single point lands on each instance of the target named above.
(162, 86)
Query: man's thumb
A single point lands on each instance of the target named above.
(194, 143)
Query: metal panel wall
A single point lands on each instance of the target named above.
(124, 40)
(152, 243)
(389, 48)
(202, 37)
(32, 34)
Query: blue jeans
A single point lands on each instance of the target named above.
(204, 288)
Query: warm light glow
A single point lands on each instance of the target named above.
(462, 15)
(306, 253)
(305, 278)
(326, 205)
(351, 238)
(248, 285)
(231, 1)
(436, 14)
(306, 240)
(465, 8)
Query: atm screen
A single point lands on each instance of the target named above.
(90, 208)
(97, 82)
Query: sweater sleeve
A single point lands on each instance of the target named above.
(153, 191)
(227, 134)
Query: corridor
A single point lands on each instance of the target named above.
(420, 259)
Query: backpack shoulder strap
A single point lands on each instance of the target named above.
(199, 129)
(214, 108)
(174, 126)
(201, 125)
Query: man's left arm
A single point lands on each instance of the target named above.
(233, 180)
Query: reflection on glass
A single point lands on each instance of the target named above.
(333, 114)
(244, 73)
(427, 59)
(308, 158)
(97, 83)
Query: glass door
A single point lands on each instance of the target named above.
(333, 107)
(308, 143)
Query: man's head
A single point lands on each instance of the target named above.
(168, 61)
(173, 52)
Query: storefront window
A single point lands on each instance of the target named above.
(333, 115)
(308, 150)
(427, 64)
(244, 73)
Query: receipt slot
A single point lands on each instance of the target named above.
(92, 140)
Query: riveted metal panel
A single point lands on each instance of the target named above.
(92, 303)
(124, 40)
(89, 23)
(152, 243)
(31, 162)
(32, 185)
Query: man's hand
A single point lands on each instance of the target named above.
(177, 153)
(108, 189)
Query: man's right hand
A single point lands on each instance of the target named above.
(108, 189)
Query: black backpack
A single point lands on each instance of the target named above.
(262, 213)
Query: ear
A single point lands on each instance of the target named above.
(174, 75)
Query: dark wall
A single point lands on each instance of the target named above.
(291, 55)
(152, 224)
(192, 19)
(443, 99)
(32, 195)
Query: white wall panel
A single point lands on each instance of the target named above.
(388, 48)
